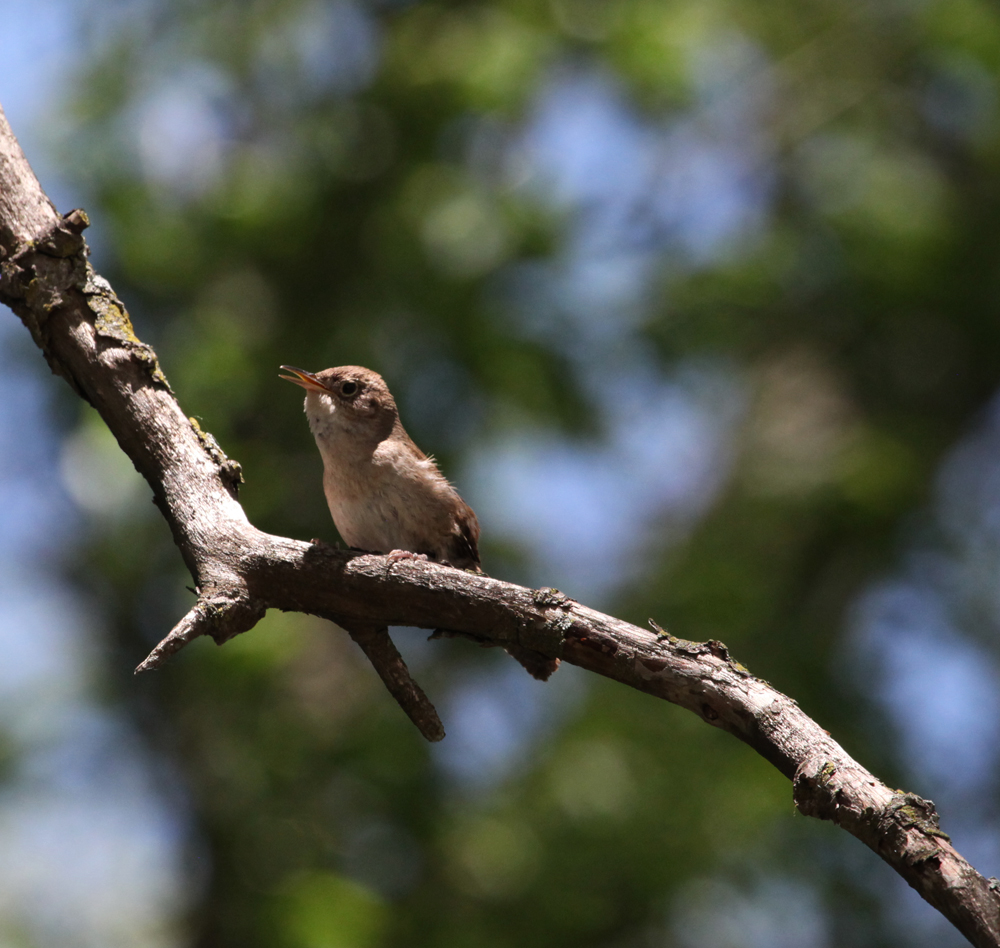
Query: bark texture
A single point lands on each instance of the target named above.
(85, 334)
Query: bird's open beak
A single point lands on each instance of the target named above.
(306, 379)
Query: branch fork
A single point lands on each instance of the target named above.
(222, 617)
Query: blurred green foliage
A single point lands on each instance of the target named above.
(320, 183)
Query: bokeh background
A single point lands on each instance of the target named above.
(697, 302)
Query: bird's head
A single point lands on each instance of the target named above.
(346, 402)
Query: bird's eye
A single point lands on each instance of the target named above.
(349, 388)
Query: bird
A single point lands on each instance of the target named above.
(385, 495)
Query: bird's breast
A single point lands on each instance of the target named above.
(387, 503)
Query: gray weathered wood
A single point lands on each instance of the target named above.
(86, 336)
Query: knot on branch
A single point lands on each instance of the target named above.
(221, 616)
(816, 792)
(538, 642)
(547, 597)
(905, 813)
(37, 276)
(910, 810)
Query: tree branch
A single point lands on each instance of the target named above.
(86, 336)
(385, 658)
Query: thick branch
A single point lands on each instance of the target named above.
(87, 337)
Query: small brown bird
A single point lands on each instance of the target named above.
(384, 493)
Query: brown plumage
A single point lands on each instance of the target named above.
(385, 495)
